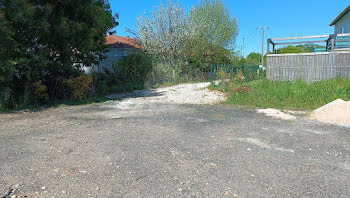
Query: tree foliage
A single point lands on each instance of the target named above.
(163, 33)
(212, 22)
(254, 59)
(49, 41)
(206, 34)
(298, 49)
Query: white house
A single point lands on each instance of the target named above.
(342, 22)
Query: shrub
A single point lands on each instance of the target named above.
(162, 72)
(256, 74)
(239, 77)
(79, 86)
(222, 74)
(129, 73)
(40, 91)
(135, 68)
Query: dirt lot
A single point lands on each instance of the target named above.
(168, 149)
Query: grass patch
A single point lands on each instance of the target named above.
(297, 95)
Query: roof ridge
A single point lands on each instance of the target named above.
(115, 41)
(341, 15)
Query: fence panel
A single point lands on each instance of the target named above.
(310, 67)
(249, 72)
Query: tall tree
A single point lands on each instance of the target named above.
(51, 40)
(254, 59)
(212, 21)
(6, 50)
(202, 36)
(163, 33)
(212, 32)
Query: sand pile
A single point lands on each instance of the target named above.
(336, 112)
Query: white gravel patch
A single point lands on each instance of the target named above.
(276, 114)
(336, 112)
(197, 93)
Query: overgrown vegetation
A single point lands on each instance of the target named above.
(129, 73)
(44, 45)
(297, 95)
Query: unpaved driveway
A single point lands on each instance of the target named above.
(170, 150)
(197, 93)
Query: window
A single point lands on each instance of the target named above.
(342, 30)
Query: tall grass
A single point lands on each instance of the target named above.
(291, 95)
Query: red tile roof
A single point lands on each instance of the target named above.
(122, 42)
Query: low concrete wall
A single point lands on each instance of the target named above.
(310, 67)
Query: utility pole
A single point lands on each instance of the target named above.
(243, 47)
(262, 28)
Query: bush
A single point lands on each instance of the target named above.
(130, 73)
(40, 91)
(79, 86)
(239, 77)
(256, 74)
(134, 69)
(163, 73)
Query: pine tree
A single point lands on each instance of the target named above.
(49, 40)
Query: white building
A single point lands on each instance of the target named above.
(342, 22)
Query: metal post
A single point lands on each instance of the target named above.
(263, 38)
(246, 72)
(262, 49)
(174, 77)
(211, 73)
(243, 47)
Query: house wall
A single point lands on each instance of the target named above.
(112, 57)
(309, 67)
(345, 23)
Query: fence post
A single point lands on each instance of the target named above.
(211, 73)
(333, 44)
(246, 72)
(174, 77)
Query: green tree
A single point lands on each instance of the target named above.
(6, 50)
(192, 39)
(51, 40)
(163, 33)
(212, 33)
(212, 22)
(298, 49)
(254, 59)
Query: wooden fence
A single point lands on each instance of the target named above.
(310, 67)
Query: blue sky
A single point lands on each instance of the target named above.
(285, 18)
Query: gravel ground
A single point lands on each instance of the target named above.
(197, 93)
(170, 150)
